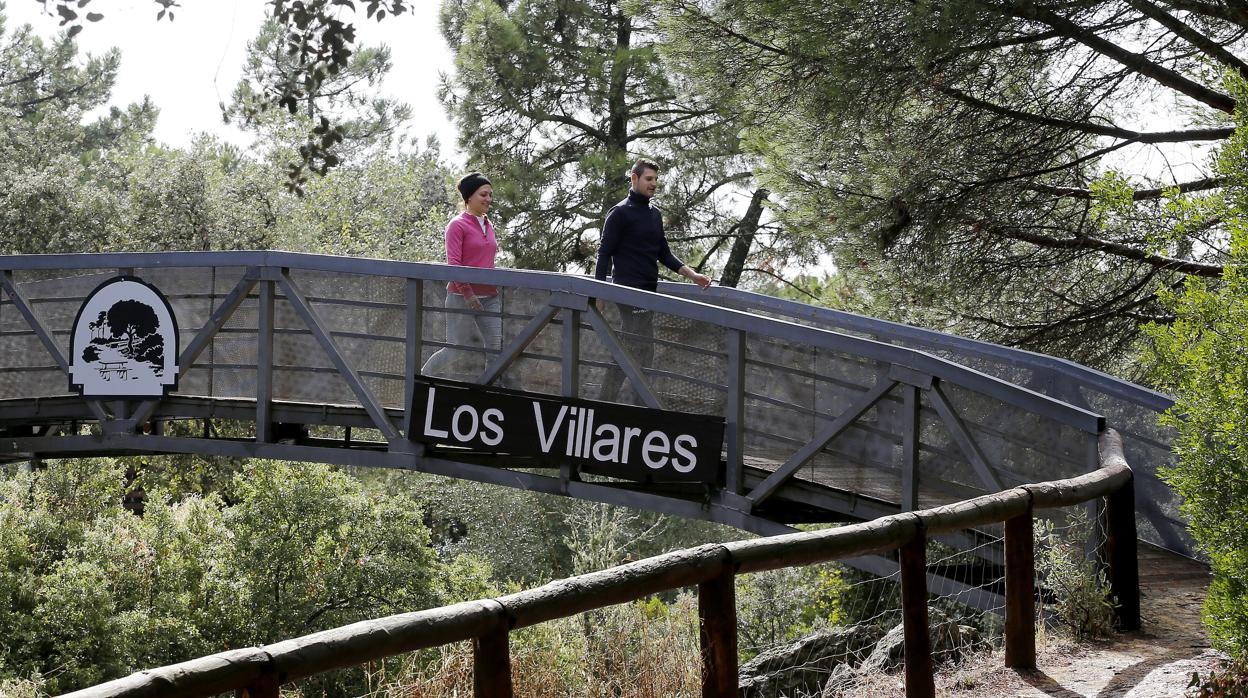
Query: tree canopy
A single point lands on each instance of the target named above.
(556, 99)
(1199, 358)
(1016, 167)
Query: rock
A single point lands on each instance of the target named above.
(949, 642)
(842, 680)
(802, 668)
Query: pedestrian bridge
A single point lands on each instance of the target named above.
(826, 416)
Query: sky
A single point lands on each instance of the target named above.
(190, 65)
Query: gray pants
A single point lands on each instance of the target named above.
(470, 328)
(637, 325)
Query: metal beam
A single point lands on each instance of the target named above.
(803, 455)
(965, 441)
(413, 347)
(297, 300)
(910, 442)
(518, 345)
(734, 412)
(625, 362)
(23, 307)
(264, 364)
(570, 370)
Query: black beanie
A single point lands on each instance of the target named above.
(470, 184)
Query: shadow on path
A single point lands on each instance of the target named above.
(1123, 681)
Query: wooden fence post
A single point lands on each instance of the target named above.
(1020, 592)
(918, 645)
(267, 686)
(1122, 556)
(717, 616)
(491, 663)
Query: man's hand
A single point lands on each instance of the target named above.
(474, 303)
(699, 279)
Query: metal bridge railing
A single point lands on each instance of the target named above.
(1131, 408)
(272, 338)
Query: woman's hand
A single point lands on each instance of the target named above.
(474, 303)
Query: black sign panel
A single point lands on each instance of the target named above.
(622, 441)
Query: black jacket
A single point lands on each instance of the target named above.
(632, 242)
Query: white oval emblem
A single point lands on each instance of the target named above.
(124, 342)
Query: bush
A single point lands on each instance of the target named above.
(90, 591)
(1199, 358)
(1230, 681)
(1078, 591)
(643, 649)
(781, 606)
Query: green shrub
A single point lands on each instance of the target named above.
(637, 650)
(1200, 358)
(1229, 681)
(90, 591)
(1079, 591)
(783, 605)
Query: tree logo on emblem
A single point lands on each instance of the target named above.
(124, 342)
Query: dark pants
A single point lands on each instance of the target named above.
(637, 325)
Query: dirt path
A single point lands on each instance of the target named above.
(1156, 662)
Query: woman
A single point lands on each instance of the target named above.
(470, 242)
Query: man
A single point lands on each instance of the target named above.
(632, 245)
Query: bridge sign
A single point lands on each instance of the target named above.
(124, 342)
(605, 438)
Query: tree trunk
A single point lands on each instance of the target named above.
(746, 231)
(617, 107)
(617, 115)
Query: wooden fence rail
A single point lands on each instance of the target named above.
(258, 672)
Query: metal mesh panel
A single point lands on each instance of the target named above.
(230, 359)
(366, 321)
(187, 281)
(54, 298)
(234, 382)
(945, 475)
(780, 395)
(596, 360)
(538, 369)
(862, 458)
(469, 361)
(689, 363)
(1021, 446)
(1146, 446)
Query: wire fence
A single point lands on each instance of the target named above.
(820, 631)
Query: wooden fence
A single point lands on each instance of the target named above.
(259, 671)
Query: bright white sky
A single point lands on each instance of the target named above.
(190, 65)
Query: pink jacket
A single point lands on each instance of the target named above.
(468, 246)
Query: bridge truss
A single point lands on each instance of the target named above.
(829, 416)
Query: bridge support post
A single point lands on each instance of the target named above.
(917, 641)
(1020, 592)
(910, 448)
(570, 370)
(491, 664)
(264, 364)
(717, 615)
(414, 296)
(1123, 556)
(734, 412)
